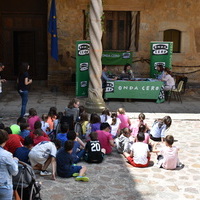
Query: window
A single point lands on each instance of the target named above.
(117, 32)
(174, 36)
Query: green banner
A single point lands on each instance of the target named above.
(116, 58)
(133, 89)
(82, 67)
(161, 53)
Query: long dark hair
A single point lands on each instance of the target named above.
(23, 68)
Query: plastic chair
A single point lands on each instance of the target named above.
(176, 92)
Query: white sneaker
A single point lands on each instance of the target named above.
(45, 173)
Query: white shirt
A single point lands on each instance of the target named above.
(140, 152)
(169, 81)
(115, 127)
(44, 149)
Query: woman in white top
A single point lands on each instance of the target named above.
(168, 79)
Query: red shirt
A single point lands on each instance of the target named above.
(14, 142)
(39, 139)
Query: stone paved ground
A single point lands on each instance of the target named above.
(114, 178)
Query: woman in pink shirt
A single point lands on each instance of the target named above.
(125, 121)
(32, 118)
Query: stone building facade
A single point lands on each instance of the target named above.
(156, 16)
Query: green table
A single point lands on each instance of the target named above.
(135, 90)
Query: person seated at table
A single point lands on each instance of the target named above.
(160, 70)
(127, 71)
(168, 79)
(104, 76)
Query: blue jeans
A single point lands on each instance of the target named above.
(24, 96)
(6, 194)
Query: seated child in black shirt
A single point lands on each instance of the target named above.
(93, 151)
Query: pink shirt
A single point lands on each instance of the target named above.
(104, 138)
(135, 127)
(31, 121)
(170, 155)
(124, 121)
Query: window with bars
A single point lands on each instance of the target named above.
(117, 30)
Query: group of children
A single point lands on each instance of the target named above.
(31, 141)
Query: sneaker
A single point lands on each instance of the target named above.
(82, 178)
(76, 174)
(45, 173)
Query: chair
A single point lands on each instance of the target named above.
(176, 92)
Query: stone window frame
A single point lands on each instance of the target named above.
(175, 37)
(185, 37)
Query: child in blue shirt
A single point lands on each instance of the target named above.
(63, 135)
(65, 164)
(22, 152)
(78, 149)
(25, 130)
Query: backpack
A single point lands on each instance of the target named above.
(68, 119)
(78, 129)
(25, 183)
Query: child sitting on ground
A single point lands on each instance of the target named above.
(123, 142)
(168, 155)
(159, 127)
(105, 115)
(140, 121)
(93, 151)
(65, 164)
(140, 153)
(32, 118)
(78, 148)
(25, 130)
(45, 125)
(62, 136)
(125, 121)
(44, 154)
(22, 152)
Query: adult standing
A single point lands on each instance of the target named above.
(23, 82)
(8, 168)
(160, 70)
(1, 80)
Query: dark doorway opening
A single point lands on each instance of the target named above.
(23, 49)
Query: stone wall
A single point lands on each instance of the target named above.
(156, 16)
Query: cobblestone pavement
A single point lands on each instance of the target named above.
(115, 178)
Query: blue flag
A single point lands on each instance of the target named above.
(52, 29)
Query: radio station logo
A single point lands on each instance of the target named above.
(160, 49)
(156, 64)
(84, 84)
(110, 87)
(84, 67)
(83, 49)
(126, 55)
